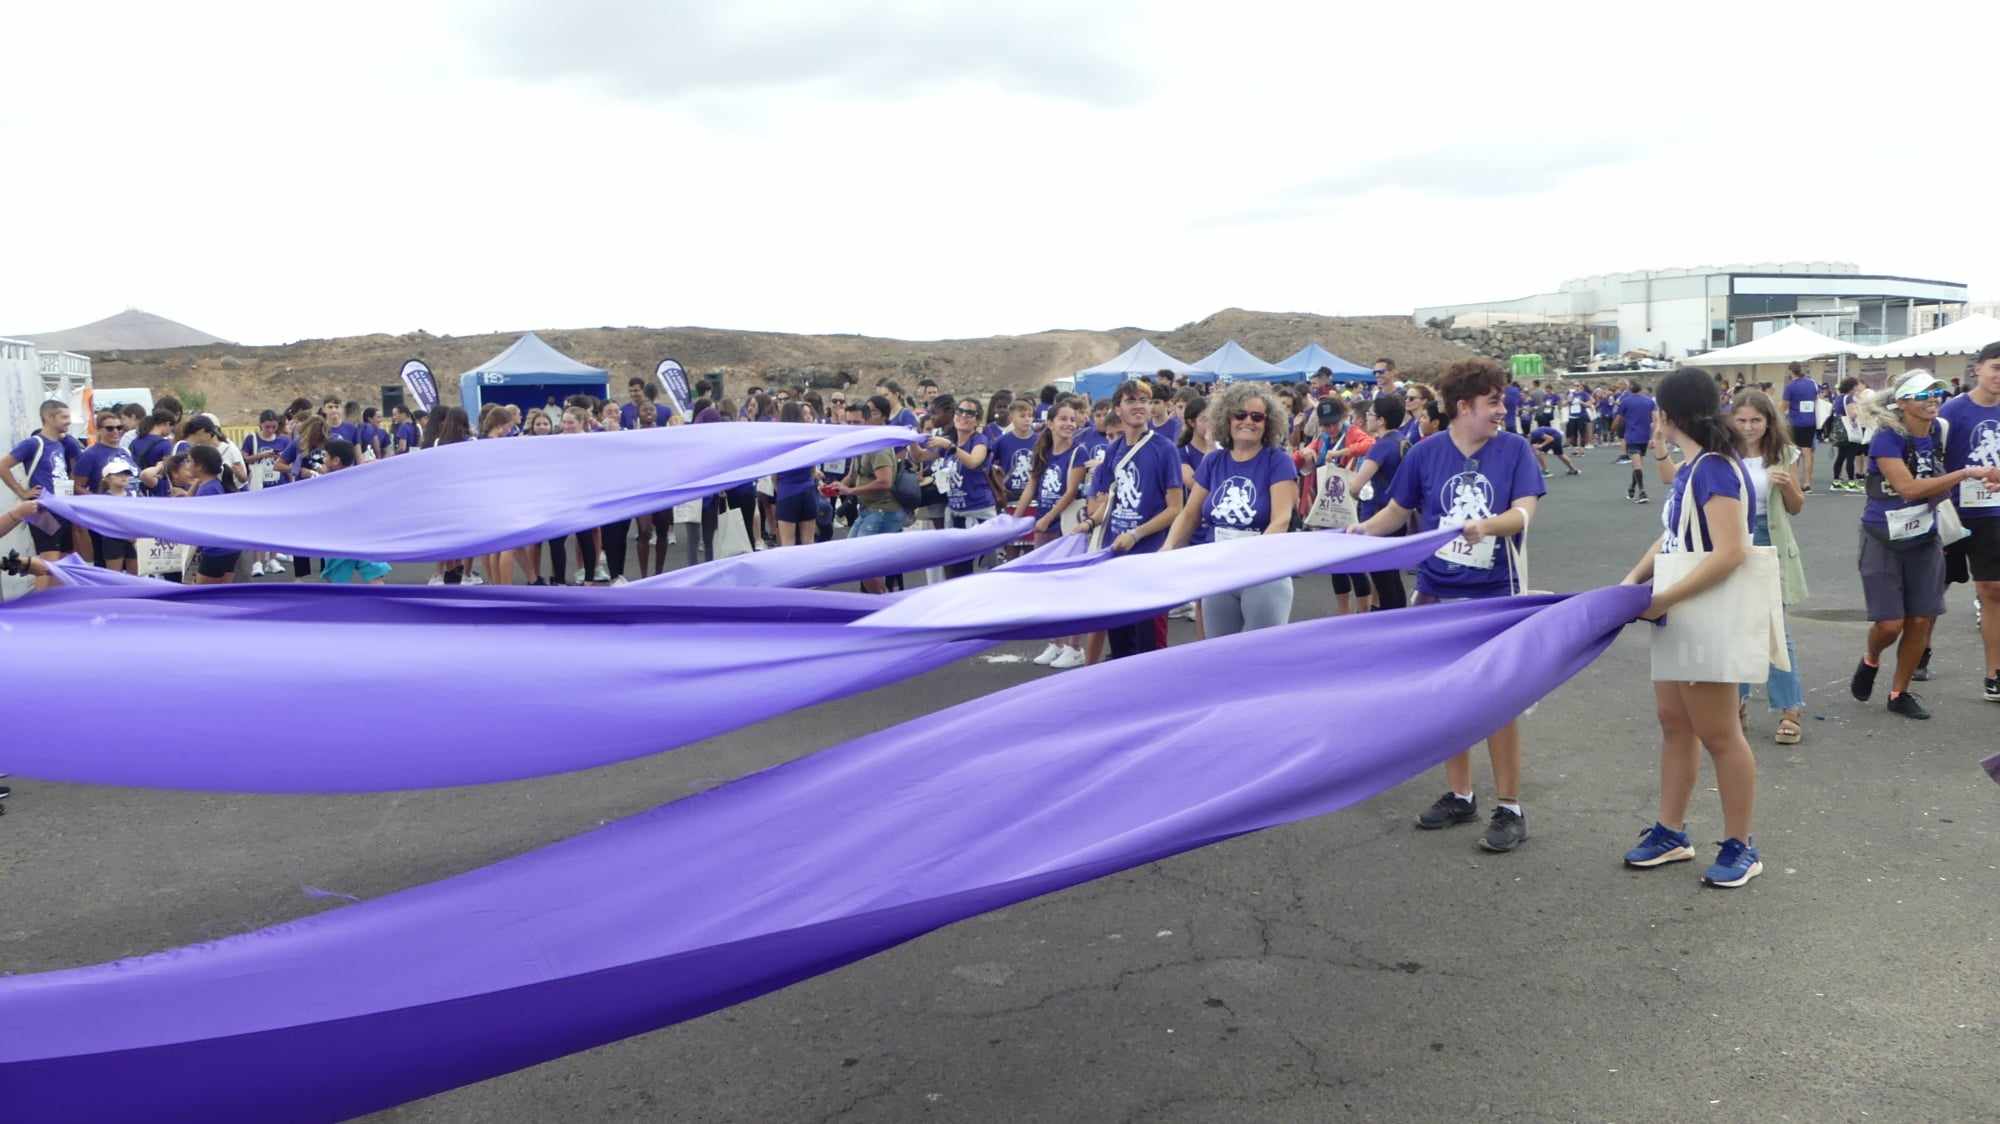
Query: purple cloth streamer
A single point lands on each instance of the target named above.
(733, 657)
(780, 876)
(1992, 765)
(477, 497)
(846, 560)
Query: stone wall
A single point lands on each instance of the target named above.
(1561, 346)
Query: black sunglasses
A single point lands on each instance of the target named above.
(1249, 415)
(968, 413)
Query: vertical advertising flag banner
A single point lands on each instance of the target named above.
(422, 385)
(674, 378)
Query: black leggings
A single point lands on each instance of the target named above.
(701, 540)
(1389, 592)
(615, 535)
(1847, 461)
(1356, 584)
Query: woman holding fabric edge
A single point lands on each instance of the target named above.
(1719, 525)
(1055, 475)
(1484, 482)
(1245, 488)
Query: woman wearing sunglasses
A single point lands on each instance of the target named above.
(1245, 488)
(960, 472)
(1902, 560)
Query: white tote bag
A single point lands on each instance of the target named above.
(1731, 633)
(1334, 507)
(731, 538)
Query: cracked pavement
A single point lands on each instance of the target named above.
(1347, 967)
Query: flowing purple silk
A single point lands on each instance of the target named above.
(783, 875)
(1992, 765)
(846, 560)
(457, 501)
(712, 659)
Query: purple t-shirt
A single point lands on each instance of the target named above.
(345, 431)
(1171, 428)
(1447, 488)
(965, 488)
(1802, 401)
(148, 448)
(1014, 459)
(407, 435)
(1512, 397)
(1387, 453)
(1922, 456)
(89, 467)
(1138, 491)
(1239, 492)
(1055, 477)
(1548, 433)
(1712, 476)
(56, 458)
(1637, 410)
(1973, 440)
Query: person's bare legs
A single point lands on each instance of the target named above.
(1093, 648)
(1910, 651)
(788, 533)
(1504, 747)
(1881, 635)
(1680, 757)
(1711, 709)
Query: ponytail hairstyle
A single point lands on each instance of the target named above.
(1045, 441)
(1192, 407)
(1690, 400)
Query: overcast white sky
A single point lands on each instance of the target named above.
(269, 172)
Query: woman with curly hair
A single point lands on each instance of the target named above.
(1243, 488)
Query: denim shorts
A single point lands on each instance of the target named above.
(871, 522)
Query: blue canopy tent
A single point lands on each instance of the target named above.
(527, 375)
(1310, 358)
(1231, 362)
(1137, 361)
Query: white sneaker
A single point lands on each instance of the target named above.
(284, 558)
(1049, 654)
(256, 569)
(619, 580)
(436, 579)
(582, 575)
(1071, 657)
(1183, 612)
(603, 569)
(473, 578)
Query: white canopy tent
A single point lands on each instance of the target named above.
(1792, 344)
(1963, 337)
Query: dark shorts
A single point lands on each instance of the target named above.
(1897, 584)
(799, 507)
(109, 550)
(216, 563)
(1977, 557)
(56, 543)
(1555, 447)
(1804, 435)
(1632, 450)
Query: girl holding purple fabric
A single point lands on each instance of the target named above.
(1243, 489)
(1057, 473)
(1478, 478)
(797, 491)
(1714, 480)
(959, 468)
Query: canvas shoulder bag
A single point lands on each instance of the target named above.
(1733, 632)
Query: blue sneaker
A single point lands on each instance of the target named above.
(1658, 846)
(1735, 864)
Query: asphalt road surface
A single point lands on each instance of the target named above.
(1348, 967)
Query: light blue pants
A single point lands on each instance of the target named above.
(1264, 605)
(1781, 688)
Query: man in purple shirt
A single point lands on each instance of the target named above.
(48, 454)
(1802, 411)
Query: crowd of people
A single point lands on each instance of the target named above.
(1162, 465)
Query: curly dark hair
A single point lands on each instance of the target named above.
(1470, 379)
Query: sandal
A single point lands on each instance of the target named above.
(1789, 731)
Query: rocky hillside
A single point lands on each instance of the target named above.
(239, 381)
(130, 330)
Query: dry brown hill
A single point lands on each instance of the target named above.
(239, 381)
(130, 330)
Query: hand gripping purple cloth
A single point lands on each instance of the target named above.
(716, 658)
(782, 875)
(457, 501)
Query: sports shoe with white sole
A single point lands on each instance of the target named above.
(1658, 846)
(1735, 864)
(1049, 654)
(1071, 657)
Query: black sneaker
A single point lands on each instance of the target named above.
(1505, 831)
(1907, 705)
(1923, 672)
(1641, 498)
(1993, 687)
(1449, 811)
(1863, 684)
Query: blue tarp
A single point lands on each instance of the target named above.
(1231, 362)
(1312, 357)
(527, 375)
(1138, 361)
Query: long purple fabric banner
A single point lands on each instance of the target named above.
(782, 875)
(729, 658)
(460, 500)
(846, 560)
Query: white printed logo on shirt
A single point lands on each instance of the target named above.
(1985, 451)
(1235, 503)
(1022, 468)
(1126, 498)
(1465, 498)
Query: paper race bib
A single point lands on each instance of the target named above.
(1977, 493)
(1225, 534)
(263, 474)
(1458, 552)
(1910, 522)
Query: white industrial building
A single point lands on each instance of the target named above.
(1674, 313)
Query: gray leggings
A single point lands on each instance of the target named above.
(1260, 606)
